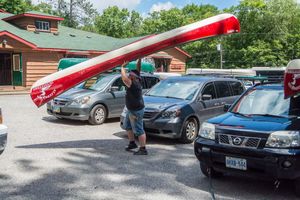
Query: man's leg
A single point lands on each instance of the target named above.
(142, 150)
(139, 128)
(132, 144)
(130, 135)
(142, 140)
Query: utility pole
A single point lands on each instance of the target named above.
(219, 48)
(71, 12)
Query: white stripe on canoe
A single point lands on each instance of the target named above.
(294, 64)
(130, 48)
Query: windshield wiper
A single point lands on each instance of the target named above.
(238, 113)
(150, 95)
(269, 115)
(170, 97)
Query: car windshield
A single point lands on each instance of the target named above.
(267, 102)
(175, 89)
(97, 83)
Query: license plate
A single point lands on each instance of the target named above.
(56, 109)
(236, 163)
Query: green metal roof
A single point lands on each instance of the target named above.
(40, 13)
(5, 15)
(68, 38)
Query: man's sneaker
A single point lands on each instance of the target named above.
(141, 152)
(131, 146)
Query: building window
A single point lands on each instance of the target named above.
(16, 62)
(42, 25)
(75, 56)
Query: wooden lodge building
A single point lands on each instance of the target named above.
(32, 43)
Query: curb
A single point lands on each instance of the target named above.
(14, 93)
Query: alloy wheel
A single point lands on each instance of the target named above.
(99, 115)
(191, 129)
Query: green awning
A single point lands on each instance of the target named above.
(68, 62)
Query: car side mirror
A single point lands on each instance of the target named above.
(113, 89)
(226, 107)
(206, 97)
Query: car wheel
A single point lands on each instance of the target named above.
(297, 187)
(190, 130)
(204, 169)
(97, 115)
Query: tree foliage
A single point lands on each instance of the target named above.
(75, 12)
(270, 29)
(120, 23)
(16, 6)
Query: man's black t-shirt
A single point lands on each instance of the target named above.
(134, 96)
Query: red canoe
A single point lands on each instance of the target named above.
(53, 85)
(292, 79)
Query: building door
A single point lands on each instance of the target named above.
(5, 69)
(17, 70)
(162, 64)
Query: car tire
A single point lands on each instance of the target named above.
(297, 187)
(214, 174)
(190, 130)
(98, 115)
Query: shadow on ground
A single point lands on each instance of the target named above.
(102, 167)
(55, 120)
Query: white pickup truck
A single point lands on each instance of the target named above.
(3, 134)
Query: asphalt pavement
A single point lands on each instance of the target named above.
(48, 158)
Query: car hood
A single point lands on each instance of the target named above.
(75, 93)
(162, 103)
(255, 123)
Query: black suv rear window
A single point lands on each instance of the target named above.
(223, 89)
(150, 82)
(237, 88)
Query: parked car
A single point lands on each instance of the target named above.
(176, 106)
(3, 134)
(165, 75)
(259, 136)
(96, 99)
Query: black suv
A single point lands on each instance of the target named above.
(259, 136)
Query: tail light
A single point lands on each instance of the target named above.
(1, 120)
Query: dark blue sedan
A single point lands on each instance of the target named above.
(259, 136)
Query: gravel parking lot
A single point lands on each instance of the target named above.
(47, 158)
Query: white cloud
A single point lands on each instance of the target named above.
(161, 6)
(101, 5)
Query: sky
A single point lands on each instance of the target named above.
(146, 6)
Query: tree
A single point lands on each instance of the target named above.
(45, 8)
(76, 12)
(267, 27)
(119, 23)
(16, 6)
(162, 21)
